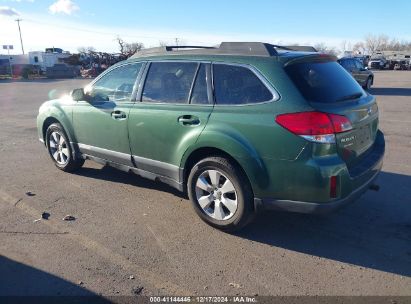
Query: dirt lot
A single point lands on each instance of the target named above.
(133, 236)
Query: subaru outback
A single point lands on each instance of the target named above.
(241, 128)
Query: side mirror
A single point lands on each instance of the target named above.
(363, 69)
(79, 95)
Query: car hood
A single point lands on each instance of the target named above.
(59, 102)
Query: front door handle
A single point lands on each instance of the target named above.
(189, 120)
(118, 115)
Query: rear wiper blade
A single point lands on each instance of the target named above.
(350, 97)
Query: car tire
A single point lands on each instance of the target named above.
(221, 194)
(368, 84)
(60, 151)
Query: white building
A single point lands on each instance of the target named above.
(16, 59)
(43, 59)
(46, 59)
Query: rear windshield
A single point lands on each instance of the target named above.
(324, 82)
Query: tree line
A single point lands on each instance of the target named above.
(368, 46)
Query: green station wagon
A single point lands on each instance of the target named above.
(242, 127)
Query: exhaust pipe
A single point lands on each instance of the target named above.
(374, 187)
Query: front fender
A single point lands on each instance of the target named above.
(52, 111)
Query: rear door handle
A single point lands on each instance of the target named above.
(189, 120)
(118, 115)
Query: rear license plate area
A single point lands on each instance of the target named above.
(363, 138)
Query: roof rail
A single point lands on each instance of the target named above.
(170, 48)
(248, 48)
(225, 48)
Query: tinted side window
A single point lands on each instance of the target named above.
(238, 85)
(116, 85)
(199, 93)
(353, 65)
(349, 65)
(345, 64)
(169, 82)
(358, 64)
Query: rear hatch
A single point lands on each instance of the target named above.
(329, 88)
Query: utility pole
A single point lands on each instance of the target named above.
(21, 40)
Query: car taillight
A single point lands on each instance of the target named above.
(315, 126)
(340, 123)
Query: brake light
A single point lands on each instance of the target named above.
(315, 126)
(340, 123)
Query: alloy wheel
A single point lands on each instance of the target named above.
(58, 148)
(216, 195)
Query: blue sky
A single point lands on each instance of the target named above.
(73, 23)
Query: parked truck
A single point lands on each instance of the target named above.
(378, 62)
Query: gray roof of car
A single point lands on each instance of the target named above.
(226, 48)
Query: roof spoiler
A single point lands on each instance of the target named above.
(319, 57)
(301, 48)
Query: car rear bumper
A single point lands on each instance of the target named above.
(359, 185)
(309, 207)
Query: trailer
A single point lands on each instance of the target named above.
(47, 59)
(396, 60)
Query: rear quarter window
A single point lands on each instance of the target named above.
(235, 85)
(324, 82)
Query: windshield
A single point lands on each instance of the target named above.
(324, 82)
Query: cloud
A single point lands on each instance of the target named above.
(19, 1)
(63, 6)
(8, 11)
